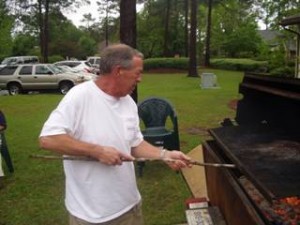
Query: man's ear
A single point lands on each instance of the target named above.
(116, 70)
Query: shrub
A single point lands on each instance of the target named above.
(166, 63)
(284, 71)
(239, 64)
(182, 63)
(55, 58)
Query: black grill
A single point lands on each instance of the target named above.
(263, 141)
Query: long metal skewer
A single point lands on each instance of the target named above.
(194, 162)
(82, 158)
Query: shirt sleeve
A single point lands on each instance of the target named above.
(61, 120)
(138, 136)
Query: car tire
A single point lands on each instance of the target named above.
(14, 89)
(64, 87)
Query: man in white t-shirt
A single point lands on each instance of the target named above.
(99, 120)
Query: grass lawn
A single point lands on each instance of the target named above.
(34, 194)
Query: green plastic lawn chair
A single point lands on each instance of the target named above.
(160, 125)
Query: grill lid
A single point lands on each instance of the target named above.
(269, 158)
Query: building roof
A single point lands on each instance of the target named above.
(272, 38)
(291, 20)
(269, 35)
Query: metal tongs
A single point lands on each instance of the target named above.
(168, 160)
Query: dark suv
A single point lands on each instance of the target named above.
(37, 77)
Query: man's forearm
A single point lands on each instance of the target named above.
(146, 150)
(64, 144)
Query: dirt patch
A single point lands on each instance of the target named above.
(197, 131)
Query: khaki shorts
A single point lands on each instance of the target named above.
(132, 217)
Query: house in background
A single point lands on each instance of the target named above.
(275, 38)
(292, 24)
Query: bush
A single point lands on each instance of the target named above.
(239, 64)
(55, 58)
(284, 71)
(166, 63)
(225, 64)
(291, 63)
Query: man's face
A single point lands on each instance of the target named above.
(129, 78)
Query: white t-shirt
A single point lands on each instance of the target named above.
(96, 192)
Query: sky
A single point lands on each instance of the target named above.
(77, 16)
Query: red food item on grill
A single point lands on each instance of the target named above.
(288, 209)
(281, 211)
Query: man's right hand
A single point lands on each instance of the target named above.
(110, 155)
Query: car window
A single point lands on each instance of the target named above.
(5, 61)
(11, 61)
(42, 69)
(26, 70)
(87, 63)
(8, 70)
(30, 60)
(55, 68)
(34, 60)
(68, 63)
(19, 60)
(97, 61)
(73, 64)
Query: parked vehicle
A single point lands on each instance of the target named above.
(37, 77)
(83, 66)
(95, 62)
(87, 76)
(16, 60)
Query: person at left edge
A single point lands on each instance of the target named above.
(2, 128)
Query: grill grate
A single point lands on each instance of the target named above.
(269, 158)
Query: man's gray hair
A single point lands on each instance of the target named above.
(117, 54)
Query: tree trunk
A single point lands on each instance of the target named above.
(41, 27)
(128, 28)
(193, 72)
(106, 27)
(106, 22)
(166, 35)
(128, 22)
(208, 33)
(186, 25)
(46, 31)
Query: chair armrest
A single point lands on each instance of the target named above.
(156, 131)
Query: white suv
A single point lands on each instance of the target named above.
(37, 77)
(15, 60)
(95, 62)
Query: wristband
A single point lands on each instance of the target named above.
(162, 153)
